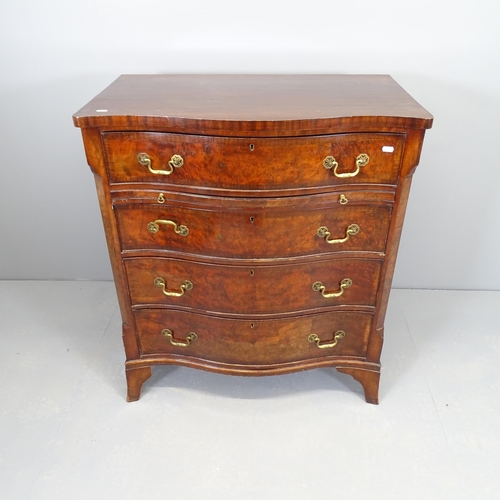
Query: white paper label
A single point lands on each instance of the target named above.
(388, 149)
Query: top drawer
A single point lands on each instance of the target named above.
(253, 164)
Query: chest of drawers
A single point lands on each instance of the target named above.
(253, 221)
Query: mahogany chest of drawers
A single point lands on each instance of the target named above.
(253, 221)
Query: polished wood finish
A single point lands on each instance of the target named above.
(259, 105)
(253, 192)
(284, 229)
(136, 376)
(254, 290)
(253, 342)
(252, 163)
(369, 379)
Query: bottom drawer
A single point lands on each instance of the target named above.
(261, 342)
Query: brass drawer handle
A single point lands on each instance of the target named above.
(329, 162)
(338, 335)
(319, 287)
(175, 162)
(153, 227)
(350, 231)
(191, 337)
(186, 285)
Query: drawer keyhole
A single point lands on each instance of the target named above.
(252, 220)
(252, 272)
(252, 147)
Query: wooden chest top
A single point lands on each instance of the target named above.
(264, 105)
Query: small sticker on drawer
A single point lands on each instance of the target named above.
(388, 149)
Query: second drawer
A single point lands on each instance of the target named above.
(257, 290)
(255, 231)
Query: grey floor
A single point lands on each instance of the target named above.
(66, 431)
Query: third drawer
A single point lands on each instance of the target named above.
(256, 290)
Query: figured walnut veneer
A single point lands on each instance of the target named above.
(243, 260)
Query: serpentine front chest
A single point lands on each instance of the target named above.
(253, 221)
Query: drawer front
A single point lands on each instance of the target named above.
(262, 342)
(242, 232)
(253, 164)
(243, 290)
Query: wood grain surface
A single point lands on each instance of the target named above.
(272, 105)
(253, 191)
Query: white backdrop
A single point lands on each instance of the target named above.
(56, 55)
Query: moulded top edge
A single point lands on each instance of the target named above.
(253, 102)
